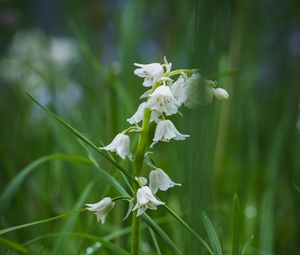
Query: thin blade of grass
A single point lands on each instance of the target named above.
(157, 229)
(193, 232)
(81, 137)
(235, 225)
(14, 245)
(16, 181)
(247, 245)
(105, 243)
(26, 225)
(212, 235)
(158, 252)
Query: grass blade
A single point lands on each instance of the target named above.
(157, 229)
(81, 137)
(193, 232)
(235, 225)
(212, 235)
(26, 225)
(16, 181)
(14, 245)
(158, 252)
(105, 243)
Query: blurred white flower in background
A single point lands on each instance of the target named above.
(102, 208)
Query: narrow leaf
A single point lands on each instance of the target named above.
(81, 137)
(14, 245)
(212, 235)
(193, 232)
(10, 229)
(235, 225)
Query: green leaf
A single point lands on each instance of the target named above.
(193, 232)
(158, 252)
(235, 225)
(10, 229)
(161, 234)
(105, 243)
(247, 245)
(82, 137)
(17, 180)
(212, 235)
(14, 245)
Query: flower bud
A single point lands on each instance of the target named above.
(221, 94)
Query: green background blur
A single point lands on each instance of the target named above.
(76, 58)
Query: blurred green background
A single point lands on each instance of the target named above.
(76, 58)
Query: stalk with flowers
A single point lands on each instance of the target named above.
(168, 90)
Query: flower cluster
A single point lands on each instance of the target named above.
(163, 98)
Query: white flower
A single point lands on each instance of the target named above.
(186, 90)
(121, 145)
(102, 208)
(165, 131)
(151, 73)
(159, 180)
(162, 100)
(139, 115)
(179, 90)
(221, 94)
(145, 199)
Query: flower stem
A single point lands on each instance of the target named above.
(138, 166)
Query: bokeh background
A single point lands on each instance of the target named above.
(76, 58)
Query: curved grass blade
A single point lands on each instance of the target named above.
(14, 245)
(16, 181)
(247, 245)
(235, 225)
(105, 243)
(158, 252)
(193, 232)
(81, 137)
(212, 235)
(26, 225)
(161, 233)
(71, 221)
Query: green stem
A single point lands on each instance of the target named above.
(138, 166)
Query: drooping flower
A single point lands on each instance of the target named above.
(162, 100)
(151, 73)
(165, 131)
(139, 115)
(120, 145)
(159, 180)
(221, 94)
(186, 90)
(102, 208)
(179, 90)
(145, 200)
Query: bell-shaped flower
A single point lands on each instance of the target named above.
(159, 180)
(186, 90)
(179, 90)
(139, 115)
(162, 100)
(120, 145)
(102, 208)
(145, 200)
(221, 94)
(165, 131)
(151, 73)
